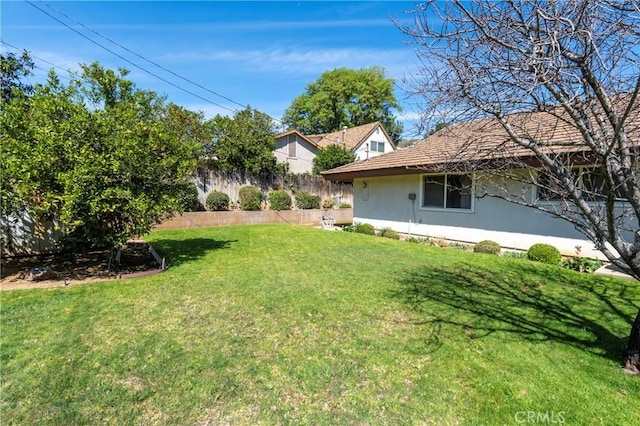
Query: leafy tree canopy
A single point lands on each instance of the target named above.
(244, 142)
(345, 97)
(12, 70)
(101, 158)
(331, 157)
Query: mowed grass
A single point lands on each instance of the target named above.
(283, 324)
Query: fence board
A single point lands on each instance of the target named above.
(230, 183)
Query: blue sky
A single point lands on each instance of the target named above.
(259, 53)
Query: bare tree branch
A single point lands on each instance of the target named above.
(546, 95)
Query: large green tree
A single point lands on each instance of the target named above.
(13, 69)
(244, 142)
(345, 97)
(98, 156)
(331, 157)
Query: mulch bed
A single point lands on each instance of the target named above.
(77, 268)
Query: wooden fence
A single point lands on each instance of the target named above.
(208, 181)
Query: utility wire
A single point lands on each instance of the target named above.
(128, 61)
(142, 57)
(35, 57)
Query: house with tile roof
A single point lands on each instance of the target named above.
(298, 150)
(438, 186)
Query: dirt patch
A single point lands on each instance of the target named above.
(76, 268)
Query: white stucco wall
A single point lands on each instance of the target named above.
(363, 150)
(303, 160)
(384, 202)
(23, 235)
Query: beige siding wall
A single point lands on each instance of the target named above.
(302, 161)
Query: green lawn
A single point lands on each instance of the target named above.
(282, 324)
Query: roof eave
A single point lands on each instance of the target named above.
(349, 176)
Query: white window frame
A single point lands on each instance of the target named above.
(378, 145)
(471, 209)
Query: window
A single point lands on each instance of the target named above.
(377, 146)
(447, 191)
(594, 185)
(291, 145)
(590, 181)
(549, 189)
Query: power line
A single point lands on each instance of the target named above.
(142, 57)
(35, 57)
(128, 61)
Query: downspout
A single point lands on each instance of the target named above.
(412, 208)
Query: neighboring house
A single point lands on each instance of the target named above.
(366, 141)
(297, 150)
(422, 190)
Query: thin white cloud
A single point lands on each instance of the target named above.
(244, 26)
(275, 111)
(46, 59)
(208, 110)
(241, 27)
(304, 61)
(410, 115)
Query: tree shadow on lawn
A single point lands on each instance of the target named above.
(178, 252)
(537, 304)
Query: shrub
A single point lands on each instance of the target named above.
(365, 228)
(418, 240)
(306, 201)
(460, 246)
(389, 233)
(515, 254)
(544, 253)
(250, 198)
(279, 200)
(487, 246)
(582, 264)
(190, 202)
(350, 228)
(328, 203)
(218, 201)
(345, 205)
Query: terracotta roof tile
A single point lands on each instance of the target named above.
(296, 132)
(351, 138)
(482, 140)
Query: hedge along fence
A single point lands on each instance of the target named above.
(208, 181)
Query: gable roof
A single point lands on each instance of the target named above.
(351, 138)
(479, 141)
(300, 135)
